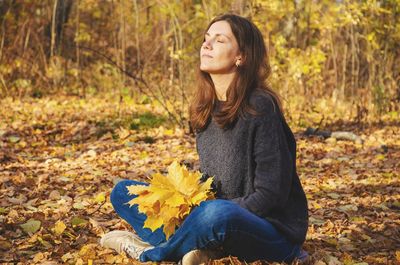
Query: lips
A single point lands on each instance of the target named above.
(207, 56)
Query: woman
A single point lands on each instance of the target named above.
(244, 142)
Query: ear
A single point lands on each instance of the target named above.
(240, 59)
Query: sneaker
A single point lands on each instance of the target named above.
(124, 241)
(200, 256)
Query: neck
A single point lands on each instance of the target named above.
(221, 84)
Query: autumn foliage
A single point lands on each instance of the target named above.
(169, 199)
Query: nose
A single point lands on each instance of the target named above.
(207, 44)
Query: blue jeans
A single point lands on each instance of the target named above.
(212, 224)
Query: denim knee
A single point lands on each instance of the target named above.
(120, 192)
(217, 212)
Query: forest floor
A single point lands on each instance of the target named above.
(60, 157)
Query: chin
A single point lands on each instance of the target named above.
(208, 69)
(205, 69)
(215, 70)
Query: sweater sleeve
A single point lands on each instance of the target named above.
(273, 166)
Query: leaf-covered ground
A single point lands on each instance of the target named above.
(59, 159)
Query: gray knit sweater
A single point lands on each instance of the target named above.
(254, 164)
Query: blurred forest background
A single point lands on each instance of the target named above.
(340, 51)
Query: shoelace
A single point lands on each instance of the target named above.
(132, 251)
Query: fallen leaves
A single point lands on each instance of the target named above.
(59, 227)
(60, 158)
(31, 226)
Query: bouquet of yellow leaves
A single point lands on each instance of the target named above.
(169, 199)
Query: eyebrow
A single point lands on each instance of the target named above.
(218, 34)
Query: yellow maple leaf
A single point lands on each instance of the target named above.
(167, 200)
(59, 227)
(201, 194)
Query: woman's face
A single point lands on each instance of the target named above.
(220, 50)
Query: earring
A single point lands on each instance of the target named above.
(237, 63)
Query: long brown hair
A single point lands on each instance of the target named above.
(251, 75)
